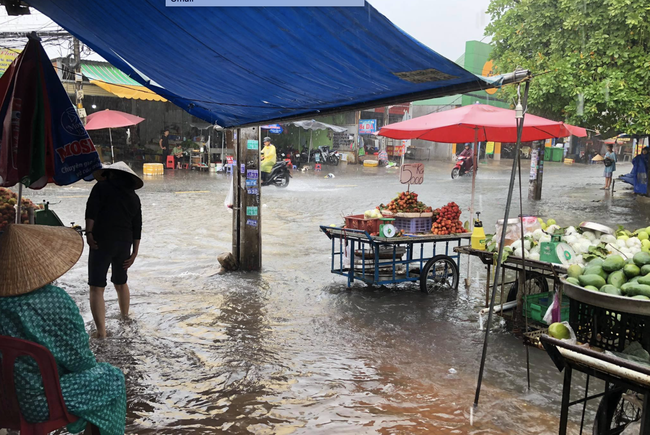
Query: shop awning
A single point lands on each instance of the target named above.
(239, 66)
(116, 82)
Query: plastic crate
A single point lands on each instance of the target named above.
(414, 225)
(608, 329)
(358, 222)
(535, 307)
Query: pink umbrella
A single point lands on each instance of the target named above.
(111, 119)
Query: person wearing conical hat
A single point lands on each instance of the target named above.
(33, 309)
(113, 231)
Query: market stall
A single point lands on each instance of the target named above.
(596, 317)
(402, 241)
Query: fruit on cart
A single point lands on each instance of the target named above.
(7, 211)
(645, 270)
(641, 259)
(592, 280)
(617, 279)
(592, 288)
(635, 289)
(559, 331)
(406, 202)
(373, 214)
(595, 270)
(574, 271)
(573, 280)
(611, 290)
(613, 263)
(631, 270)
(446, 220)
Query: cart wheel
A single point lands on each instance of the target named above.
(440, 273)
(617, 409)
(535, 283)
(455, 173)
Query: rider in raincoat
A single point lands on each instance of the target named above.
(268, 157)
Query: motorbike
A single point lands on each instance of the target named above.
(459, 170)
(279, 175)
(327, 156)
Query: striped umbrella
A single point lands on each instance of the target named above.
(42, 139)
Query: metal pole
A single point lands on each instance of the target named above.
(311, 136)
(112, 153)
(19, 203)
(520, 126)
(471, 206)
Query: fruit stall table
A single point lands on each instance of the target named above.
(606, 323)
(537, 272)
(428, 259)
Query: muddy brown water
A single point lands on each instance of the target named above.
(292, 349)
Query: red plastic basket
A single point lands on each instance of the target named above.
(358, 222)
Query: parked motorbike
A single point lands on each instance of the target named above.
(459, 170)
(327, 156)
(279, 175)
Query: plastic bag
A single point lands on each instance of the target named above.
(548, 317)
(229, 198)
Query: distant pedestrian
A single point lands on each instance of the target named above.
(164, 145)
(610, 166)
(113, 232)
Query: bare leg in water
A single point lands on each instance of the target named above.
(123, 298)
(98, 308)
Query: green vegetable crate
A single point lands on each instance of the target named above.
(535, 307)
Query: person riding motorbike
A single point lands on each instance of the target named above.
(468, 162)
(268, 158)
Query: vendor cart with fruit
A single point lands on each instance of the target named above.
(404, 241)
(607, 337)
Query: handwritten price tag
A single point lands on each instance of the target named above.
(412, 173)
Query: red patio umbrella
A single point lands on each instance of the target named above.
(111, 119)
(477, 123)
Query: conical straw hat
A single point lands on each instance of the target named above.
(122, 167)
(32, 256)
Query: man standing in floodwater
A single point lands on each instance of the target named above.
(113, 231)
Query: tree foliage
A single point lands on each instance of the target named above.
(592, 57)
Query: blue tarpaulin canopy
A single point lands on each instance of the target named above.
(244, 66)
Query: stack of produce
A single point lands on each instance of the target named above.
(446, 220)
(8, 200)
(405, 202)
(615, 276)
(586, 244)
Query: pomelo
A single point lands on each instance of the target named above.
(559, 331)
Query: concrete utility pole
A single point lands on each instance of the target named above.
(536, 171)
(78, 80)
(247, 210)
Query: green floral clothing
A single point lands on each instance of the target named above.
(92, 391)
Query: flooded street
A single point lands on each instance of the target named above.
(292, 349)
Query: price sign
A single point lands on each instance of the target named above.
(411, 173)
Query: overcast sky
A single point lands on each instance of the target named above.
(443, 25)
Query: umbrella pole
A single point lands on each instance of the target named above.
(515, 163)
(110, 135)
(471, 204)
(19, 204)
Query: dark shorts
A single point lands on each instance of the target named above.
(110, 253)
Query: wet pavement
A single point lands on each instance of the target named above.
(291, 349)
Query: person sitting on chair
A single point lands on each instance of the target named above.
(177, 152)
(31, 308)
